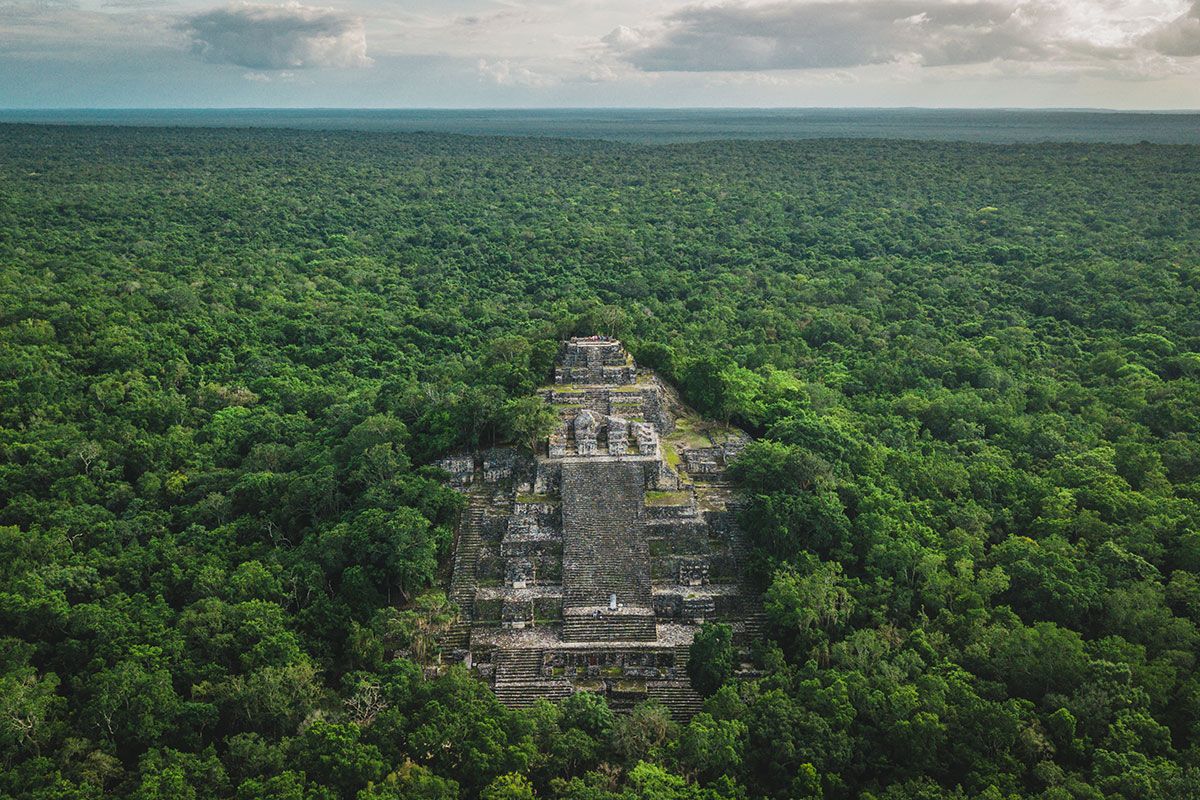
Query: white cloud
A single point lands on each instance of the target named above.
(504, 73)
(844, 34)
(1180, 37)
(270, 37)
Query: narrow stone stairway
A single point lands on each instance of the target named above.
(462, 581)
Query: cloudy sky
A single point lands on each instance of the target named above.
(526, 53)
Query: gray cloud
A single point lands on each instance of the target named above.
(1180, 37)
(833, 34)
(270, 37)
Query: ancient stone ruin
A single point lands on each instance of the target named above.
(590, 564)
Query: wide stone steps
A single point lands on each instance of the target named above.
(679, 697)
(458, 637)
(604, 544)
(615, 628)
(518, 665)
(625, 702)
(739, 550)
(522, 694)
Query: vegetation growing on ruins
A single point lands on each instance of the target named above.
(229, 356)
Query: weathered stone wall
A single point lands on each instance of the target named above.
(610, 663)
(549, 478)
(682, 511)
(704, 460)
(685, 606)
(654, 409)
(548, 607)
(532, 561)
(488, 610)
(536, 518)
(461, 468)
(591, 361)
(491, 569)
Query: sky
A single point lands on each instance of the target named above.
(1121, 54)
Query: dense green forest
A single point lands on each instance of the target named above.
(229, 358)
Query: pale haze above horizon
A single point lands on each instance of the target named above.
(1139, 54)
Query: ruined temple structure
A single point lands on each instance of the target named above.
(590, 564)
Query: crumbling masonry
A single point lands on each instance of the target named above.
(590, 564)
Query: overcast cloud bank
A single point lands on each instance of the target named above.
(839, 34)
(1099, 53)
(268, 37)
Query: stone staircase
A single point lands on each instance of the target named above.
(752, 627)
(683, 655)
(734, 447)
(515, 666)
(519, 679)
(739, 550)
(463, 581)
(678, 696)
(624, 701)
(523, 694)
(610, 628)
(605, 551)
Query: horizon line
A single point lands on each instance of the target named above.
(1055, 109)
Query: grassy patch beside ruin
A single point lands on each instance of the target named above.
(659, 499)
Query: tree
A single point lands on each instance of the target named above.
(419, 627)
(819, 601)
(134, 701)
(411, 782)
(711, 748)
(711, 657)
(658, 357)
(510, 786)
(704, 387)
(529, 420)
(644, 733)
(333, 755)
(28, 703)
(589, 712)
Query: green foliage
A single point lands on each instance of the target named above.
(228, 359)
(711, 660)
(530, 420)
(334, 755)
(509, 786)
(411, 782)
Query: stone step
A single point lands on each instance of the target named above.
(751, 627)
(458, 637)
(680, 698)
(615, 628)
(463, 579)
(522, 694)
(604, 545)
(683, 655)
(624, 703)
(518, 665)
